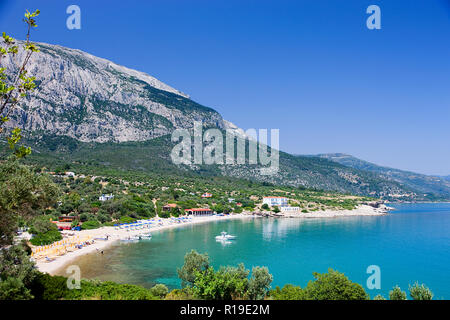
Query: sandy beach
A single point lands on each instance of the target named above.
(362, 210)
(114, 234)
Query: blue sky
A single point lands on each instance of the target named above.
(310, 68)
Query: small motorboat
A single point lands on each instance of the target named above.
(145, 236)
(225, 237)
(130, 239)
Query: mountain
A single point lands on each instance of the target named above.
(91, 114)
(92, 99)
(152, 157)
(419, 182)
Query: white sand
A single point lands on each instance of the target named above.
(362, 210)
(117, 234)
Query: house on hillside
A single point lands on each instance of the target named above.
(276, 201)
(206, 195)
(106, 197)
(169, 206)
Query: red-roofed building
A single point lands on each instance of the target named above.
(206, 195)
(199, 211)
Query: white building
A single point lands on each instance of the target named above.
(289, 209)
(70, 174)
(106, 197)
(275, 201)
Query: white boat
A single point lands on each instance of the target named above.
(130, 239)
(145, 236)
(225, 237)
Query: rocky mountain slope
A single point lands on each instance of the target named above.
(93, 99)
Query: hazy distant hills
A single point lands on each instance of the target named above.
(93, 115)
(419, 182)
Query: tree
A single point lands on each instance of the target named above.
(420, 292)
(334, 286)
(288, 292)
(41, 224)
(265, 206)
(276, 209)
(397, 294)
(23, 194)
(16, 87)
(16, 273)
(259, 283)
(194, 263)
(225, 284)
(159, 290)
(12, 92)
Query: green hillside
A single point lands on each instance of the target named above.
(152, 158)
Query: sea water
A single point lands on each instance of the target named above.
(412, 243)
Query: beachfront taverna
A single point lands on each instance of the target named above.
(199, 211)
(276, 201)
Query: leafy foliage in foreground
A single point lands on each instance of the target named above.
(203, 282)
(326, 286)
(20, 280)
(46, 287)
(24, 193)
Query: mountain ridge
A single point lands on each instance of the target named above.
(93, 99)
(417, 181)
(91, 109)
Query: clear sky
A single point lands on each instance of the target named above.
(310, 68)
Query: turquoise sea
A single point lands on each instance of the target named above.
(410, 244)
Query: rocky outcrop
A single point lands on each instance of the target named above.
(93, 99)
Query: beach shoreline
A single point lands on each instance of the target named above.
(114, 234)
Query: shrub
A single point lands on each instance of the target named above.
(289, 292)
(397, 294)
(225, 284)
(159, 290)
(420, 292)
(42, 224)
(164, 214)
(47, 287)
(181, 294)
(46, 238)
(90, 224)
(126, 219)
(194, 262)
(109, 291)
(16, 273)
(259, 283)
(334, 286)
